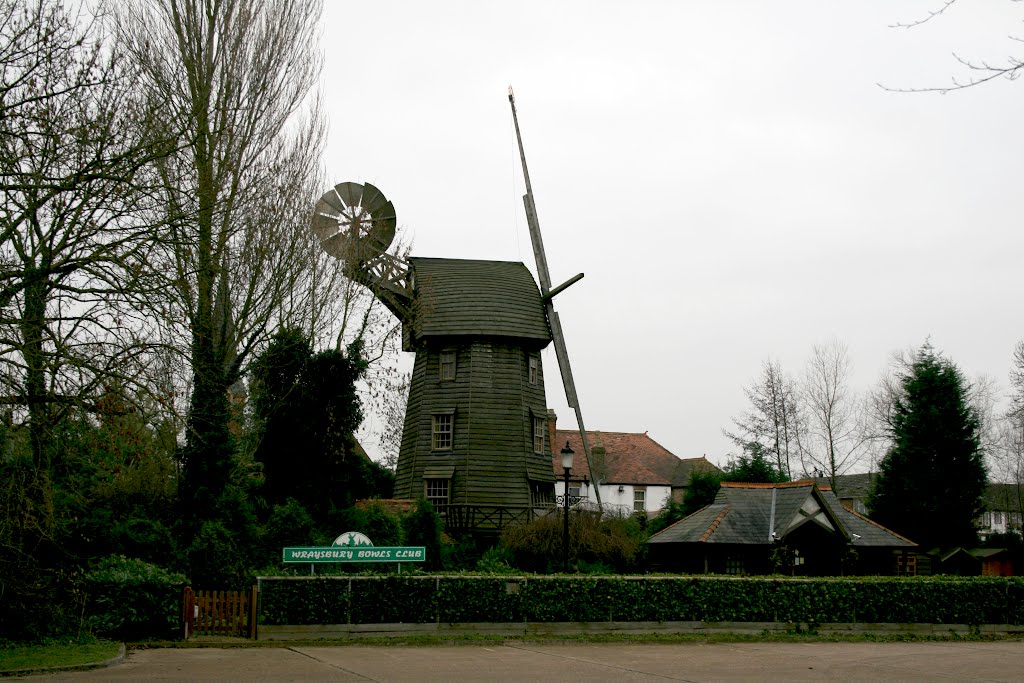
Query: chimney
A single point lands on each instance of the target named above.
(552, 419)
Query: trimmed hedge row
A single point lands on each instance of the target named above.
(486, 599)
(130, 599)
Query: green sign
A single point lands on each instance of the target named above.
(355, 554)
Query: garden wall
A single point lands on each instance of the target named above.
(314, 607)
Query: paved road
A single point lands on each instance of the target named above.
(623, 663)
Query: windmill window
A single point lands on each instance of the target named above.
(437, 491)
(534, 369)
(639, 500)
(441, 432)
(541, 494)
(539, 427)
(448, 365)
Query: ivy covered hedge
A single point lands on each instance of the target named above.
(468, 599)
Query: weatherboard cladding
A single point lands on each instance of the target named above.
(493, 404)
(459, 298)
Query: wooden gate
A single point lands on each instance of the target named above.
(219, 613)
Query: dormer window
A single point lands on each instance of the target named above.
(448, 365)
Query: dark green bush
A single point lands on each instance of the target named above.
(375, 521)
(497, 560)
(468, 599)
(131, 599)
(423, 527)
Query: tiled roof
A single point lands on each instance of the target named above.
(629, 458)
(1004, 497)
(752, 514)
(456, 297)
(855, 486)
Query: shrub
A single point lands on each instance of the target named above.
(289, 524)
(537, 546)
(145, 539)
(497, 560)
(131, 599)
(375, 521)
(423, 527)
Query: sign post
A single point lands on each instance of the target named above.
(353, 546)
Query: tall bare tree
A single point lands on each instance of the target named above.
(773, 421)
(834, 438)
(74, 146)
(236, 77)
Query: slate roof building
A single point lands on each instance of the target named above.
(475, 439)
(796, 527)
(639, 473)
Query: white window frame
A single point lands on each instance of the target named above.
(639, 496)
(442, 431)
(437, 491)
(533, 369)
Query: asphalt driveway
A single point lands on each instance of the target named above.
(525, 661)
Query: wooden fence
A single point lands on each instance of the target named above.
(219, 613)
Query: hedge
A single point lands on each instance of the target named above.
(504, 599)
(130, 599)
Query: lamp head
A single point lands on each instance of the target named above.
(567, 454)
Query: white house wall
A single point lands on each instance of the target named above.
(656, 499)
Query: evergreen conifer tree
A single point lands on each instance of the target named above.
(931, 482)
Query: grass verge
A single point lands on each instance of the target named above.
(17, 657)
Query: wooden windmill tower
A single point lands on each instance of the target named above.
(475, 441)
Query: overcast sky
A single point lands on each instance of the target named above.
(729, 176)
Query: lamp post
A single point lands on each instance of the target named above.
(567, 454)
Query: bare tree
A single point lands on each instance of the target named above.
(233, 76)
(979, 70)
(834, 439)
(1006, 455)
(74, 145)
(773, 421)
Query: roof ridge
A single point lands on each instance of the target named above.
(766, 485)
(604, 431)
(714, 524)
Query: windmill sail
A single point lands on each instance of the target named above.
(557, 337)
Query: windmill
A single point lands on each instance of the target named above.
(547, 294)
(475, 440)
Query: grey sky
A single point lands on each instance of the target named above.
(729, 176)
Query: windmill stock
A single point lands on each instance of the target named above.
(548, 294)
